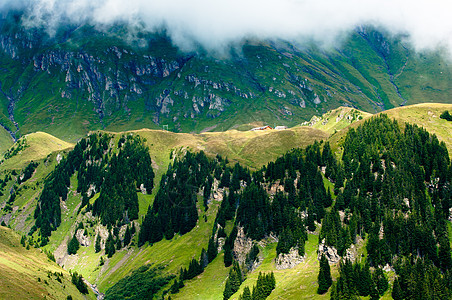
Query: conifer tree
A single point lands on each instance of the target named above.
(364, 280)
(381, 281)
(397, 293)
(203, 259)
(73, 245)
(118, 243)
(127, 237)
(246, 294)
(212, 250)
(97, 245)
(233, 282)
(227, 255)
(324, 277)
(374, 295)
(110, 246)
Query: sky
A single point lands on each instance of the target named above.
(218, 23)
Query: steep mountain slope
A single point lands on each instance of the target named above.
(6, 140)
(27, 273)
(81, 79)
(252, 149)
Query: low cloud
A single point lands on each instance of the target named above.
(217, 23)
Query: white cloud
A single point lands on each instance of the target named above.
(215, 23)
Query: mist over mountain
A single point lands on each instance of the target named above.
(201, 66)
(217, 24)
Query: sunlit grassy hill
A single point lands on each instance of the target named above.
(32, 147)
(27, 273)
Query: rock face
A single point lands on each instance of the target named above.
(82, 239)
(351, 253)
(329, 252)
(242, 246)
(288, 260)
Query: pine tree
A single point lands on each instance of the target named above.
(374, 295)
(110, 246)
(364, 280)
(118, 243)
(212, 250)
(381, 281)
(73, 245)
(175, 287)
(397, 293)
(97, 245)
(324, 277)
(127, 237)
(227, 293)
(227, 255)
(77, 280)
(233, 282)
(246, 294)
(272, 281)
(203, 259)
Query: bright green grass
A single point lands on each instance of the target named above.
(21, 268)
(173, 254)
(208, 285)
(299, 282)
(69, 219)
(6, 140)
(338, 119)
(425, 115)
(39, 146)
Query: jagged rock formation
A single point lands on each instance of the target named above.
(288, 260)
(82, 239)
(329, 252)
(242, 246)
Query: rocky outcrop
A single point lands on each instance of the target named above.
(242, 245)
(82, 239)
(351, 253)
(222, 86)
(288, 260)
(329, 252)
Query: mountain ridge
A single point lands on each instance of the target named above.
(102, 82)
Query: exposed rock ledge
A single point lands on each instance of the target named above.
(288, 260)
(330, 253)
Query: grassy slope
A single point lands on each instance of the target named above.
(5, 140)
(425, 115)
(338, 119)
(299, 282)
(27, 193)
(25, 272)
(251, 148)
(40, 144)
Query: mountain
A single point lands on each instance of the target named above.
(77, 191)
(81, 79)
